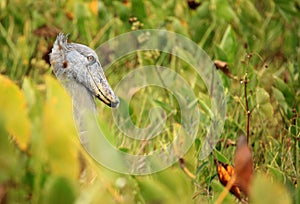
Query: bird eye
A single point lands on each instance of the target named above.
(90, 58)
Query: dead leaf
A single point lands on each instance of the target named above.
(223, 66)
(243, 165)
(225, 174)
(229, 143)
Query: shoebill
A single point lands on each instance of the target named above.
(78, 68)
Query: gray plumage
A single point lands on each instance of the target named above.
(78, 68)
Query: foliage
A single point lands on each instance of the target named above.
(41, 160)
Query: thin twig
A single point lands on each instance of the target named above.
(247, 107)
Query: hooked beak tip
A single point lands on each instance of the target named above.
(115, 104)
(111, 103)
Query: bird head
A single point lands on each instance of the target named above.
(72, 61)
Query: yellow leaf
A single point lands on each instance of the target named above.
(13, 111)
(61, 139)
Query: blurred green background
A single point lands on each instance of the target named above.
(41, 160)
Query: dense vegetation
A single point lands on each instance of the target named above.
(39, 151)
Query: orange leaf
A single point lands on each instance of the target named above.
(225, 173)
(94, 6)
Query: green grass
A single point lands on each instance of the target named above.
(38, 145)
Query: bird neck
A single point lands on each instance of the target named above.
(83, 104)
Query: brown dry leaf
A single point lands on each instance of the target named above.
(243, 165)
(229, 143)
(225, 174)
(223, 66)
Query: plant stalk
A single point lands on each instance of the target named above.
(247, 107)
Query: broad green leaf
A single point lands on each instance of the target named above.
(170, 186)
(220, 157)
(262, 96)
(285, 90)
(263, 102)
(197, 143)
(228, 44)
(278, 175)
(264, 191)
(152, 191)
(58, 190)
(13, 111)
(138, 10)
(176, 178)
(58, 128)
(221, 55)
(280, 98)
(267, 110)
(203, 10)
(224, 11)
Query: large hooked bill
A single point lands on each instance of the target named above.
(99, 86)
(96, 81)
(105, 94)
